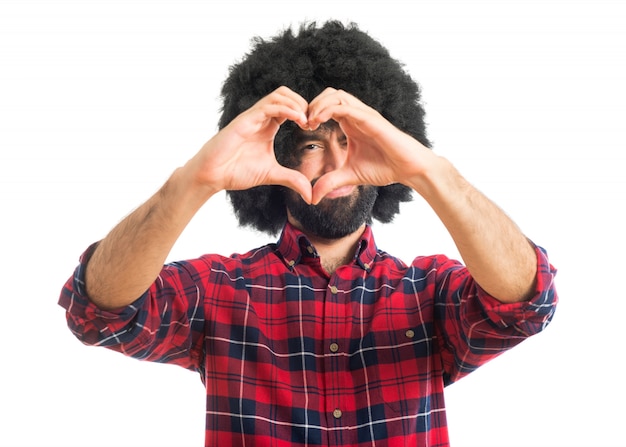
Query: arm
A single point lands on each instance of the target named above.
(240, 156)
(497, 254)
(495, 251)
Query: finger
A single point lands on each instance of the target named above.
(338, 107)
(328, 91)
(327, 97)
(330, 182)
(286, 99)
(293, 96)
(279, 112)
(294, 180)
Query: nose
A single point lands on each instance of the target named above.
(336, 153)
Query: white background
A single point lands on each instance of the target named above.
(101, 100)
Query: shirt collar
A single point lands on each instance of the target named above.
(295, 247)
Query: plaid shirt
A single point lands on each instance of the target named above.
(291, 356)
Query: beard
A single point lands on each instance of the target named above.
(333, 218)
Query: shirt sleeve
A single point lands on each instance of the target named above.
(474, 327)
(164, 325)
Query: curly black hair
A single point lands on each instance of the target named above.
(331, 55)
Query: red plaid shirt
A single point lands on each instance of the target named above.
(291, 356)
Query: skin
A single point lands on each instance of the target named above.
(363, 149)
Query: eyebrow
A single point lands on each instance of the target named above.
(324, 129)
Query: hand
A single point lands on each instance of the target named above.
(379, 154)
(241, 155)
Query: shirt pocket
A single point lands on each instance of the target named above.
(395, 367)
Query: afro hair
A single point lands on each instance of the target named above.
(331, 55)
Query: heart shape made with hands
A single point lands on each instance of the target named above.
(369, 151)
(374, 151)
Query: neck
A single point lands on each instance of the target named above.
(333, 253)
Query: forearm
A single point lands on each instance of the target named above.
(128, 260)
(497, 254)
(240, 156)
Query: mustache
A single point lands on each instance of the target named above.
(314, 181)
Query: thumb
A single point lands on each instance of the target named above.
(329, 182)
(294, 180)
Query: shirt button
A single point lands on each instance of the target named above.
(334, 347)
(292, 263)
(337, 413)
(409, 333)
(333, 289)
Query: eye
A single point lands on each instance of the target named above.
(310, 147)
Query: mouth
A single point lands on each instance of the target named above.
(341, 192)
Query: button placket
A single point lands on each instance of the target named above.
(335, 360)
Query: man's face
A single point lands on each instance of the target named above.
(342, 211)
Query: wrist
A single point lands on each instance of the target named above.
(184, 190)
(437, 179)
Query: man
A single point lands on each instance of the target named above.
(321, 338)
